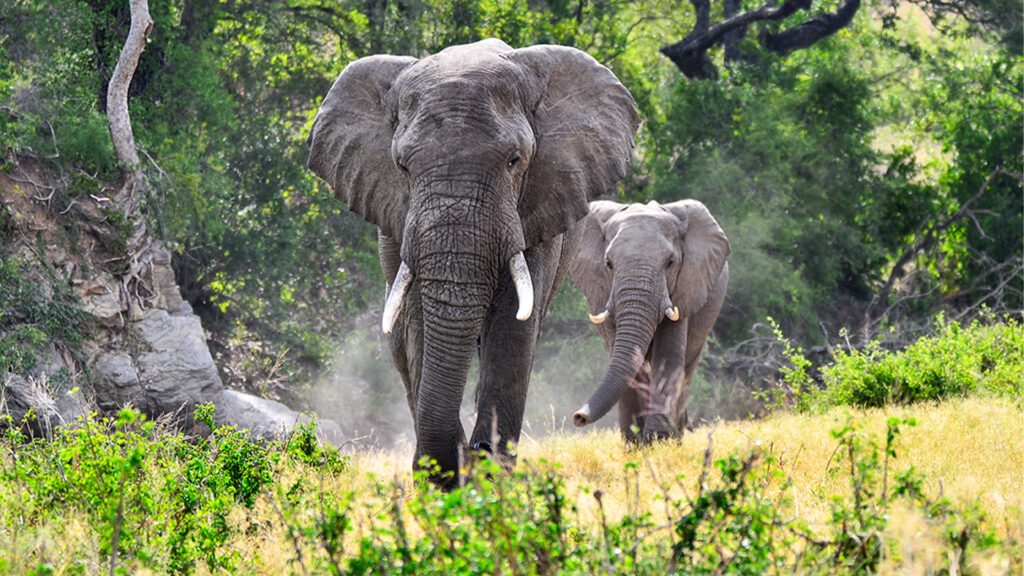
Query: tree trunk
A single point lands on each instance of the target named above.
(117, 90)
(137, 290)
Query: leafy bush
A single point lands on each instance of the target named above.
(150, 498)
(32, 317)
(979, 359)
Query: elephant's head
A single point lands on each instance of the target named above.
(466, 158)
(640, 265)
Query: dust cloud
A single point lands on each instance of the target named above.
(364, 394)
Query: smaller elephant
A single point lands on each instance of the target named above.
(654, 277)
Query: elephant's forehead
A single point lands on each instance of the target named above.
(641, 217)
(461, 74)
(650, 235)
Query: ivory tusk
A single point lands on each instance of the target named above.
(600, 318)
(672, 313)
(393, 305)
(524, 285)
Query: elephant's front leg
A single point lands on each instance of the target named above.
(668, 369)
(507, 349)
(633, 404)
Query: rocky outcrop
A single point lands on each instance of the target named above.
(154, 358)
(145, 347)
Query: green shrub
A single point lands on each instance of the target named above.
(151, 498)
(32, 316)
(958, 361)
(979, 359)
(159, 502)
(84, 141)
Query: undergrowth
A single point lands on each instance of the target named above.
(152, 500)
(983, 359)
(35, 311)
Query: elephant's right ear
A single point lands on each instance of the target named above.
(589, 271)
(350, 142)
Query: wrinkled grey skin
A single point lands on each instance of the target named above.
(463, 159)
(639, 262)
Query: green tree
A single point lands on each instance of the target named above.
(868, 181)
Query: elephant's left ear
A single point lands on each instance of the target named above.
(705, 249)
(585, 124)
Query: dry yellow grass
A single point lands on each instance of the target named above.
(970, 448)
(966, 449)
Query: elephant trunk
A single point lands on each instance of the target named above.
(449, 343)
(637, 316)
(457, 257)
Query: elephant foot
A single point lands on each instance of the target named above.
(482, 446)
(653, 436)
(478, 452)
(631, 435)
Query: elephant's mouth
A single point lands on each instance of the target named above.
(518, 269)
(671, 312)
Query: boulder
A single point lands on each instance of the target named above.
(72, 406)
(268, 419)
(175, 369)
(115, 381)
(20, 396)
(29, 406)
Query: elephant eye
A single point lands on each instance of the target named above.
(513, 160)
(401, 166)
(671, 262)
(608, 263)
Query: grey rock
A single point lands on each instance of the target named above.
(176, 371)
(115, 381)
(50, 363)
(50, 410)
(72, 407)
(184, 310)
(163, 279)
(269, 419)
(19, 397)
(101, 298)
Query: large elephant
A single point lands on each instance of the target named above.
(654, 277)
(477, 165)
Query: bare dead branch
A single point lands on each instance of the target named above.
(928, 236)
(1008, 278)
(690, 54)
